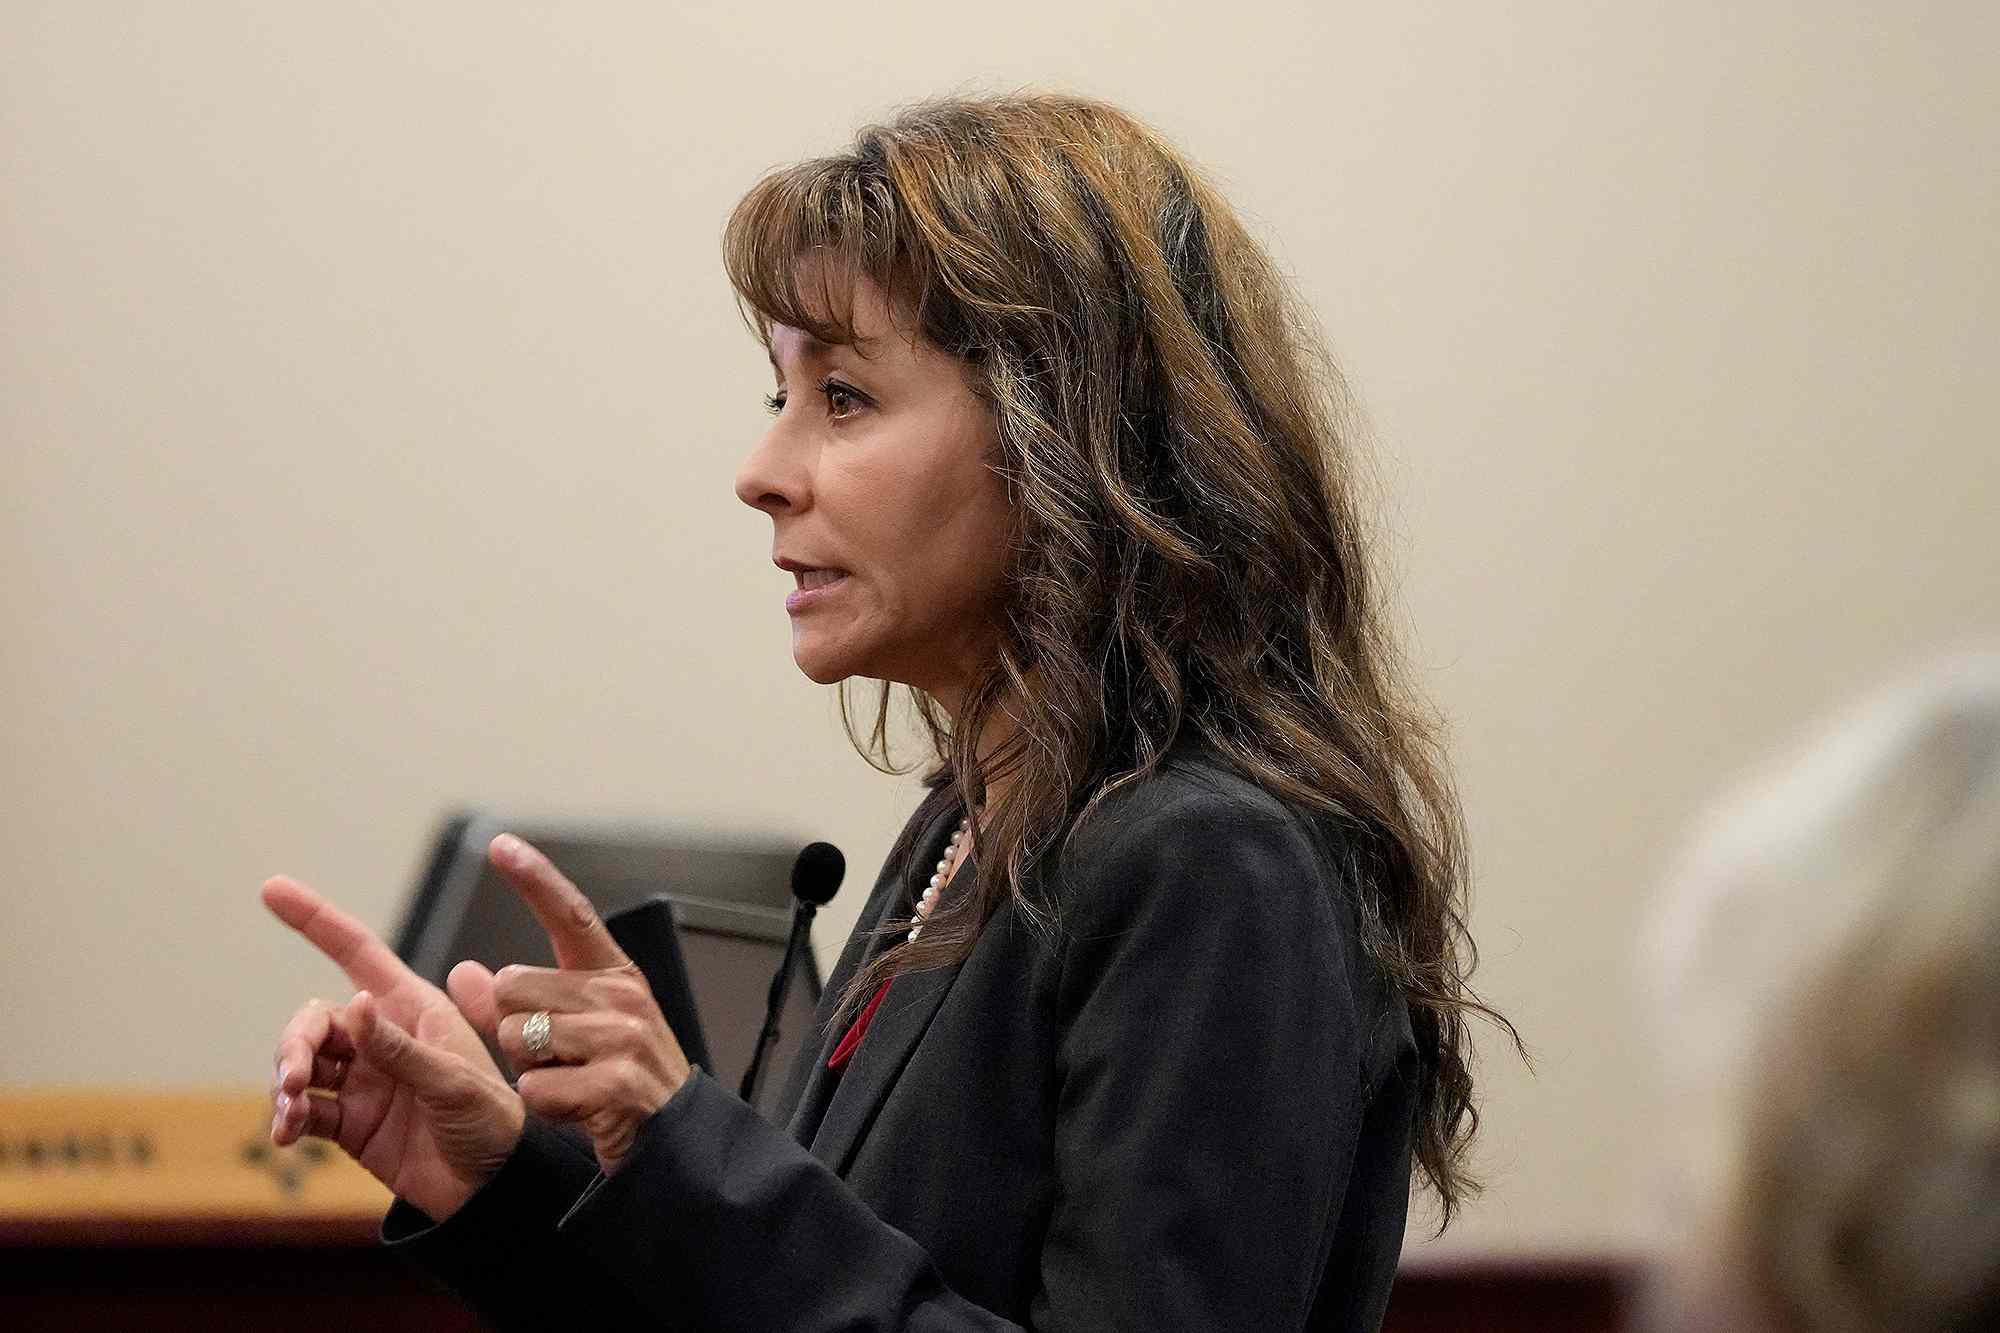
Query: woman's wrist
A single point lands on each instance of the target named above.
(440, 1200)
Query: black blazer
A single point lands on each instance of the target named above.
(1187, 1106)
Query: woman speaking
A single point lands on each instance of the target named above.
(1161, 995)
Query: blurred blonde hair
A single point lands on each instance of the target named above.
(1832, 947)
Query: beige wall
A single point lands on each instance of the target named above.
(370, 395)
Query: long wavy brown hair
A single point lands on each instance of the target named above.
(1189, 555)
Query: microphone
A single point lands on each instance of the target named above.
(816, 876)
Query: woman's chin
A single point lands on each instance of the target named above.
(822, 675)
(819, 666)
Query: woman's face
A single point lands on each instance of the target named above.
(883, 509)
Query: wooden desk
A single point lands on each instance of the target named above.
(170, 1211)
(90, 1157)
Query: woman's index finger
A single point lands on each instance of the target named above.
(356, 950)
(567, 917)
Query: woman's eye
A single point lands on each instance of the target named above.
(774, 403)
(841, 401)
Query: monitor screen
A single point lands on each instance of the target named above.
(732, 910)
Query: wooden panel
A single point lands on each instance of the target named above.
(170, 1210)
(202, 1289)
(162, 1287)
(1583, 1295)
(87, 1158)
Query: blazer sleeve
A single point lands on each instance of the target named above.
(502, 1253)
(1207, 1114)
(719, 1220)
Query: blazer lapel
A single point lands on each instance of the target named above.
(898, 1026)
(811, 1084)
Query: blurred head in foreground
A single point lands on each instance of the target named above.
(1825, 968)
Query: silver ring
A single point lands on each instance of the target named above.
(536, 1036)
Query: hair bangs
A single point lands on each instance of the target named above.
(797, 244)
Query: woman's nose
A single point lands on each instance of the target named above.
(768, 479)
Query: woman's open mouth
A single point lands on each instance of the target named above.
(814, 584)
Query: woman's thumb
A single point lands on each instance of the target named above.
(424, 1068)
(470, 987)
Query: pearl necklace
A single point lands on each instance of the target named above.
(938, 879)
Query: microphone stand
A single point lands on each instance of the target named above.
(802, 919)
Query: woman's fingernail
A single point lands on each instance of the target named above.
(511, 849)
(284, 1104)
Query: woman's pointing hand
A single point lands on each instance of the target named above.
(397, 1076)
(586, 1034)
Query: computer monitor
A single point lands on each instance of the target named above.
(731, 902)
